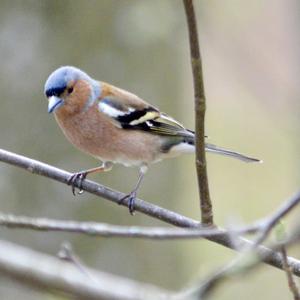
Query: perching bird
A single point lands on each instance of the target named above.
(116, 126)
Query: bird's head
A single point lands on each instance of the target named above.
(70, 90)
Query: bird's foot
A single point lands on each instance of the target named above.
(79, 176)
(131, 200)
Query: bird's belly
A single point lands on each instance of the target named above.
(106, 142)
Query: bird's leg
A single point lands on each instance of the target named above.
(132, 195)
(80, 176)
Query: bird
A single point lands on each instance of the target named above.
(117, 127)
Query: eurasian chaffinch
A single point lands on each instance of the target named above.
(116, 126)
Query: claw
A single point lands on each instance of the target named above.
(132, 196)
(131, 200)
(80, 176)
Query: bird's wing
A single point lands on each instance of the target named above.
(127, 111)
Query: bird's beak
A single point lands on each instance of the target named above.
(54, 104)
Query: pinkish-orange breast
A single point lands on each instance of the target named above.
(95, 134)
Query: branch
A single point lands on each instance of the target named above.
(200, 107)
(269, 223)
(42, 271)
(66, 253)
(37, 167)
(246, 261)
(270, 257)
(108, 230)
(265, 227)
(291, 282)
(251, 256)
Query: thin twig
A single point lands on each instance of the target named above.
(250, 255)
(269, 223)
(109, 230)
(44, 272)
(36, 167)
(66, 253)
(291, 282)
(247, 260)
(242, 263)
(200, 107)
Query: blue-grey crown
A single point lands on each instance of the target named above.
(58, 80)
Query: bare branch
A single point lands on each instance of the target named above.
(270, 257)
(37, 167)
(268, 224)
(66, 253)
(291, 282)
(109, 230)
(251, 256)
(200, 107)
(248, 261)
(45, 272)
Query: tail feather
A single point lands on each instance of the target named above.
(215, 149)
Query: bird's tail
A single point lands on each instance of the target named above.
(218, 150)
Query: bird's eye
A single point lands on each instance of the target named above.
(70, 90)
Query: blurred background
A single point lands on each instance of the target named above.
(251, 63)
